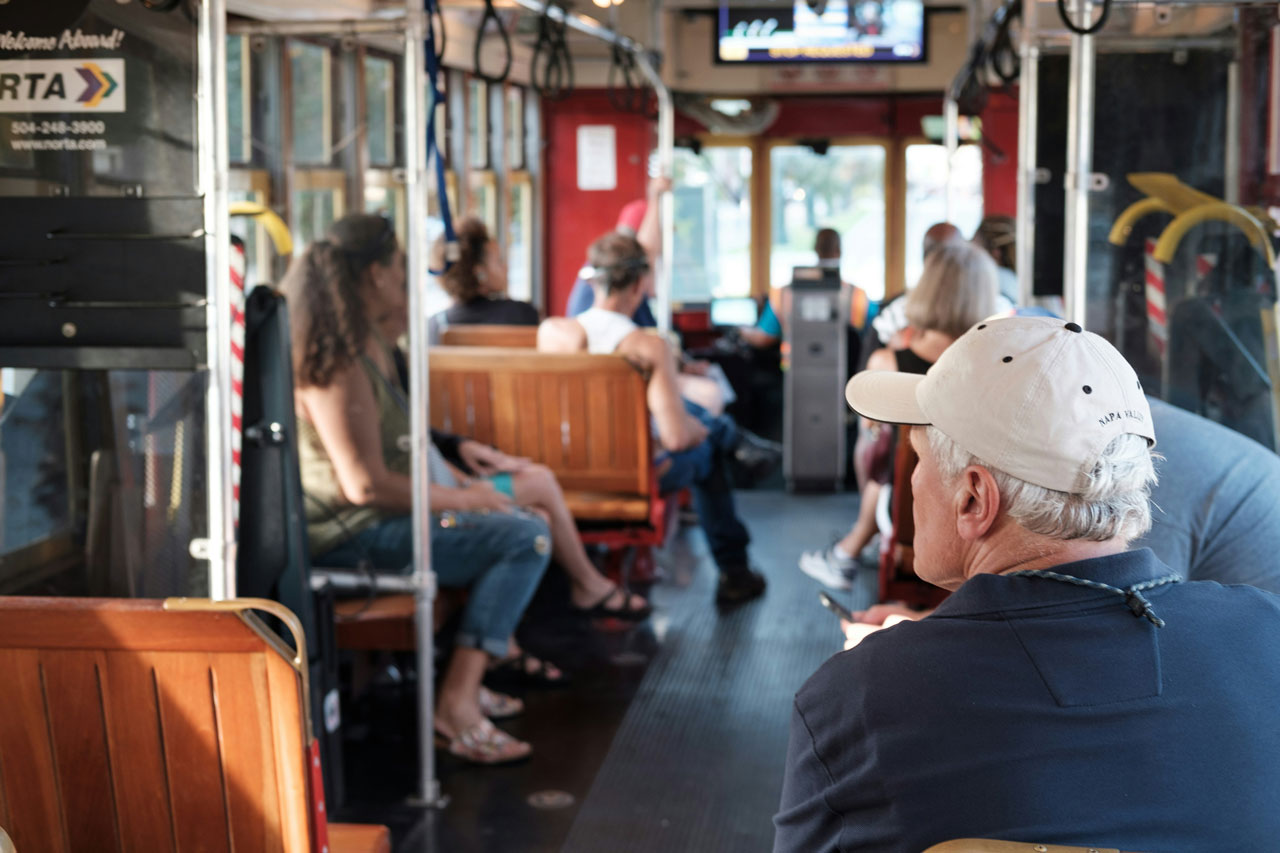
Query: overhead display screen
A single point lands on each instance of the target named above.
(822, 31)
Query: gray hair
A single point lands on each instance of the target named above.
(1115, 500)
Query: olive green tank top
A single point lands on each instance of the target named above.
(331, 518)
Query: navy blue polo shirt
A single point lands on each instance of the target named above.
(1028, 709)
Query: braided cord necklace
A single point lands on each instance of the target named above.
(1132, 595)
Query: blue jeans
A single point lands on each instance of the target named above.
(702, 468)
(499, 556)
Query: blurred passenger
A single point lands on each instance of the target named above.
(477, 283)
(348, 300)
(768, 330)
(694, 447)
(997, 235)
(889, 327)
(642, 220)
(956, 290)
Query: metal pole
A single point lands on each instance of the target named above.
(419, 392)
(951, 136)
(1075, 247)
(1028, 116)
(583, 24)
(220, 547)
(666, 159)
(1231, 168)
(317, 28)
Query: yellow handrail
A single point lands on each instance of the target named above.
(1124, 223)
(270, 221)
(1220, 211)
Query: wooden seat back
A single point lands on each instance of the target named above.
(524, 337)
(128, 725)
(583, 416)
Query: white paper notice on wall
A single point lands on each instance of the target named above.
(597, 157)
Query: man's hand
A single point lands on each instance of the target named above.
(481, 496)
(876, 614)
(658, 186)
(874, 618)
(487, 461)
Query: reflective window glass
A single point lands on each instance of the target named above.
(520, 242)
(380, 101)
(842, 189)
(478, 123)
(238, 100)
(312, 106)
(927, 202)
(712, 255)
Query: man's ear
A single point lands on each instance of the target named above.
(977, 503)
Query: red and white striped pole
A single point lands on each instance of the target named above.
(1157, 310)
(238, 266)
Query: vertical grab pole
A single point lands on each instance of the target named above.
(220, 547)
(1028, 116)
(419, 388)
(951, 137)
(1075, 260)
(667, 161)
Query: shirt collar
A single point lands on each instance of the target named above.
(988, 593)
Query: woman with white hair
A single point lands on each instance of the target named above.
(957, 289)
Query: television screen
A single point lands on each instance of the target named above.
(822, 31)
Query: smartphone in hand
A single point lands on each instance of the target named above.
(834, 606)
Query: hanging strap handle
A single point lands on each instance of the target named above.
(451, 251)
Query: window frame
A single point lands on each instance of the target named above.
(894, 189)
(755, 145)
(316, 180)
(256, 183)
(394, 152)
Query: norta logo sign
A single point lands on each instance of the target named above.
(62, 85)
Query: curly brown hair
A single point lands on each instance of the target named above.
(461, 280)
(328, 324)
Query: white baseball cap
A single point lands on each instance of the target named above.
(1036, 397)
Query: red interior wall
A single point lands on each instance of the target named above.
(1000, 166)
(574, 217)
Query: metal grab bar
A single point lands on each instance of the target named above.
(31, 262)
(122, 235)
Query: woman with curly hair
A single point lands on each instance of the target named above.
(477, 283)
(347, 298)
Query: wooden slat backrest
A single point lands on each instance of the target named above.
(583, 416)
(126, 727)
(524, 337)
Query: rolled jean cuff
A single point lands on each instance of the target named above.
(496, 647)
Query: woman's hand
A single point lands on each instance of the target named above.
(487, 461)
(481, 496)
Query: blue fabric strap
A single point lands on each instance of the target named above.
(451, 252)
(1132, 595)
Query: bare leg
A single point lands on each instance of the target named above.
(865, 527)
(536, 487)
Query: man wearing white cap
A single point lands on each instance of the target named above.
(1068, 691)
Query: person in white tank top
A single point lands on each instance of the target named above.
(605, 329)
(694, 448)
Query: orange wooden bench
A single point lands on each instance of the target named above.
(523, 337)
(132, 724)
(585, 417)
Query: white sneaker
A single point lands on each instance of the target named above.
(828, 569)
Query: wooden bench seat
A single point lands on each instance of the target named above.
(135, 725)
(523, 337)
(600, 506)
(583, 416)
